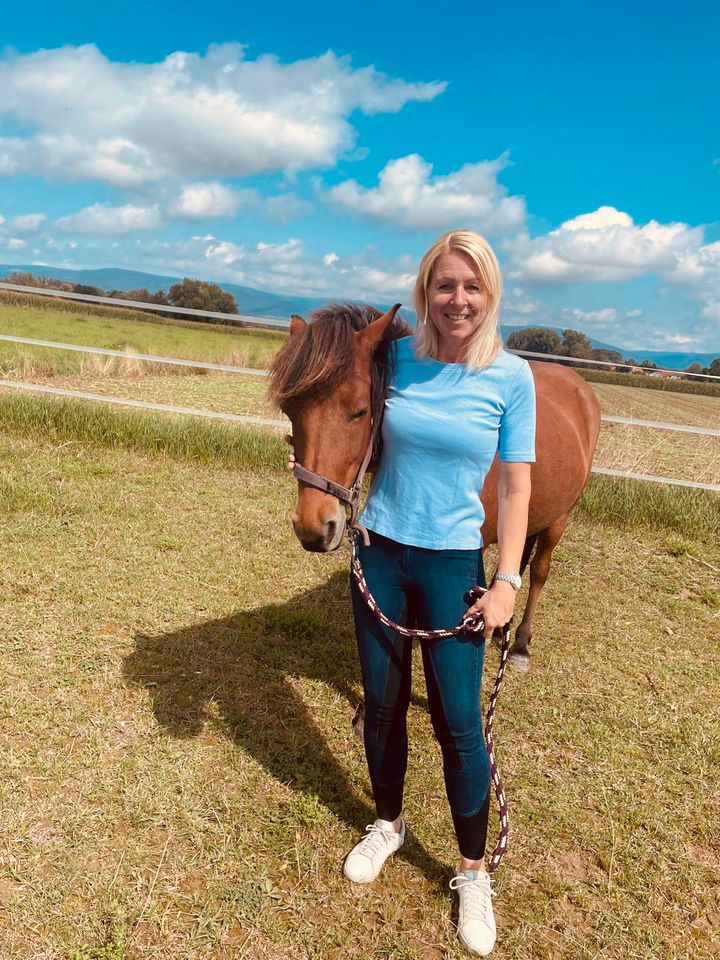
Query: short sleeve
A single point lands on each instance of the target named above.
(517, 426)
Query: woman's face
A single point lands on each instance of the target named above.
(456, 303)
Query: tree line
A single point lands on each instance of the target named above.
(573, 343)
(189, 293)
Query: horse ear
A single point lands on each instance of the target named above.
(296, 324)
(373, 333)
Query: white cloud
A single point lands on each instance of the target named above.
(607, 315)
(288, 268)
(410, 196)
(189, 115)
(285, 207)
(106, 220)
(604, 245)
(516, 303)
(12, 243)
(202, 200)
(27, 222)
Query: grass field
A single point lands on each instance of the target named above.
(640, 450)
(174, 339)
(179, 780)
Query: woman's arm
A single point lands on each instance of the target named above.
(513, 494)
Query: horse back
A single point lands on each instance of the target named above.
(568, 424)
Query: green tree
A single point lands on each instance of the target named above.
(535, 340)
(714, 369)
(576, 344)
(201, 295)
(142, 295)
(609, 356)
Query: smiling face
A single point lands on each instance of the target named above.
(457, 304)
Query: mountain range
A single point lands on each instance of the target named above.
(263, 303)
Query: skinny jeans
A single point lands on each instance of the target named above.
(424, 588)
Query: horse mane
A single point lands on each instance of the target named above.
(320, 357)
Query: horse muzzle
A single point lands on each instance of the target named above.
(320, 530)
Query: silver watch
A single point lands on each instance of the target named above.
(514, 579)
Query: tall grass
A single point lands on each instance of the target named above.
(177, 436)
(629, 503)
(616, 500)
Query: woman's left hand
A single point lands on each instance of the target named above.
(495, 606)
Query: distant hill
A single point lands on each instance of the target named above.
(663, 358)
(263, 303)
(256, 303)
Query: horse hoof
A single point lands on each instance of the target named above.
(520, 662)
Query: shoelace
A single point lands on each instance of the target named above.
(374, 839)
(477, 897)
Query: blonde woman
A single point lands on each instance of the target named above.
(456, 399)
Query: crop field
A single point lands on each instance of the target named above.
(179, 779)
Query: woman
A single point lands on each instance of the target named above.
(456, 399)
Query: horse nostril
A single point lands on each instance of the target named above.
(330, 529)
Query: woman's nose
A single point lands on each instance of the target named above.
(459, 296)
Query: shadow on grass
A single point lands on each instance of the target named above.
(244, 664)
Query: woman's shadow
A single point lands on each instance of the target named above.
(240, 669)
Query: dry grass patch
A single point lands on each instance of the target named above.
(668, 453)
(228, 393)
(178, 774)
(627, 401)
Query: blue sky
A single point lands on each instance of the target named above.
(318, 149)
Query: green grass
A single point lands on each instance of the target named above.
(636, 503)
(178, 436)
(624, 503)
(178, 779)
(122, 331)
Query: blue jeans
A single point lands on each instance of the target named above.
(424, 588)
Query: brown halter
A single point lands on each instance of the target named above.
(350, 496)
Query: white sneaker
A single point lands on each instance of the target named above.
(366, 858)
(476, 921)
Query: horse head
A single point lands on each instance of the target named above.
(322, 380)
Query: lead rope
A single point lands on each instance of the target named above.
(471, 624)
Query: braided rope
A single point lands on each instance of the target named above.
(473, 624)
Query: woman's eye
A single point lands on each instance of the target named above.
(359, 414)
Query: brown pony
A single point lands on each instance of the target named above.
(331, 379)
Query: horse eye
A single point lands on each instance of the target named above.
(359, 414)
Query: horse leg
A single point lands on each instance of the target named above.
(547, 540)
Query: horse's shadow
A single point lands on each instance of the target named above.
(238, 671)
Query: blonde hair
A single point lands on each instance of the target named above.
(485, 342)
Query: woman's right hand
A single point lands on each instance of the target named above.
(291, 455)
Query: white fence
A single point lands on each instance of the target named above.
(277, 323)
(233, 319)
(282, 424)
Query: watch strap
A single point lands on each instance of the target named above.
(514, 579)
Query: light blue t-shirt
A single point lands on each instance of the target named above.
(443, 426)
